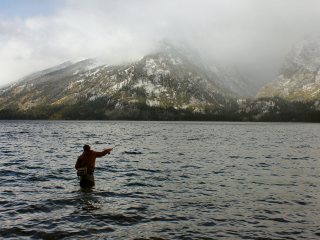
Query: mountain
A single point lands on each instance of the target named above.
(169, 84)
(42, 87)
(233, 80)
(169, 78)
(227, 77)
(299, 78)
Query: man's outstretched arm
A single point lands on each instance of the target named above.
(103, 153)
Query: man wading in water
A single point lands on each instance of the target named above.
(86, 164)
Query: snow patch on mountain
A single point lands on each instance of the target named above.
(150, 87)
(152, 68)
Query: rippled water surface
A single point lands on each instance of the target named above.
(164, 180)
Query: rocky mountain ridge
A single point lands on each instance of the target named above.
(171, 84)
(168, 78)
(299, 78)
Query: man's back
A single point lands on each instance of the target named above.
(88, 158)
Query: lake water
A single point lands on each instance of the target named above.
(164, 180)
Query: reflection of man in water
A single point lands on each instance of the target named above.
(86, 164)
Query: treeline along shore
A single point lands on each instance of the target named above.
(255, 110)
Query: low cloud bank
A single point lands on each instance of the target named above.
(253, 35)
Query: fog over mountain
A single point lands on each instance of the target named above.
(299, 78)
(253, 35)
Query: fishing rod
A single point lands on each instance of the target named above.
(116, 145)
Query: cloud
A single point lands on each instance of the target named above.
(254, 35)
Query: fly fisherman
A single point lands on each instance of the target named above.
(86, 164)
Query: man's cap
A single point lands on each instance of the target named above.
(86, 147)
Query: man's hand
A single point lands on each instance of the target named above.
(108, 150)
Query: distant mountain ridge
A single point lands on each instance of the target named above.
(42, 87)
(169, 84)
(299, 78)
(168, 78)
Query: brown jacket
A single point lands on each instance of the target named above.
(88, 159)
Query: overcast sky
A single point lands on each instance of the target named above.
(254, 35)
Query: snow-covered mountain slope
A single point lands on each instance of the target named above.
(170, 77)
(299, 78)
(42, 87)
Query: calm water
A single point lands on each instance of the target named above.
(164, 180)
